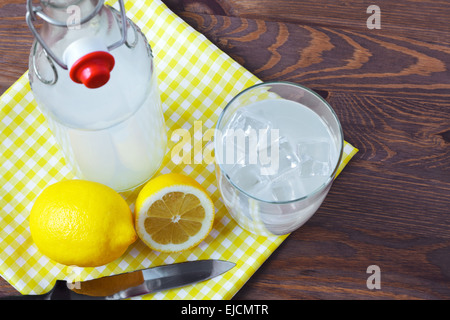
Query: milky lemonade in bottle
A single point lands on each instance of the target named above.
(96, 84)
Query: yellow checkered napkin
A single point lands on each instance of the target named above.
(196, 81)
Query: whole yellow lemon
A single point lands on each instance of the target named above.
(81, 223)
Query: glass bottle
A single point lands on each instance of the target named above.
(92, 75)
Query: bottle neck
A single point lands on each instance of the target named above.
(67, 21)
(70, 12)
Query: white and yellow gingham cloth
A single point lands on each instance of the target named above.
(196, 80)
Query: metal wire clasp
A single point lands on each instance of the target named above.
(34, 12)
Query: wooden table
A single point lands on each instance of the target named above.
(391, 90)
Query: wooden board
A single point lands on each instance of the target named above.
(390, 87)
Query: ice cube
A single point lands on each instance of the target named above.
(282, 157)
(284, 175)
(248, 178)
(315, 158)
(287, 185)
(248, 119)
(240, 137)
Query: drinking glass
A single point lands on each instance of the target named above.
(278, 146)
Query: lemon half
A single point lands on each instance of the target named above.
(173, 213)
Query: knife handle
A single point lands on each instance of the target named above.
(58, 292)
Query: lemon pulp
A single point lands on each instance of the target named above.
(173, 213)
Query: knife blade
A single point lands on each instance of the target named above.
(135, 283)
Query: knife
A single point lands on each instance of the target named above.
(135, 283)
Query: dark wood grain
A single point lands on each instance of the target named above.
(422, 20)
(15, 42)
(391, 90)
(331, 58)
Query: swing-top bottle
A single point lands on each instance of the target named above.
(92, 75)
